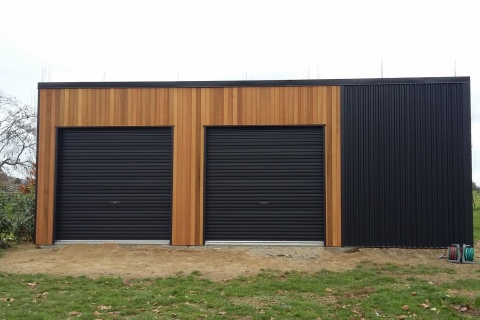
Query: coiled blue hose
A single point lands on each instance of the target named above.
(468, 254)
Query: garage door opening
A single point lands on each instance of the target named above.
(113, 184)
(265, 185)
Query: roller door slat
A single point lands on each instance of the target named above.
(113, 184)
(264, 184)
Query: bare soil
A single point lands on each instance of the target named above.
(216, 263)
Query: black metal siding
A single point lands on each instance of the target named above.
(264, 184)
(406, 165)
(113, 184)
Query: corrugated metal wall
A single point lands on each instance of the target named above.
(406, 165)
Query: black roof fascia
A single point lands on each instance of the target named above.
(249, 83)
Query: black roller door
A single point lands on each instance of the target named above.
(113, 184)
(264, 184)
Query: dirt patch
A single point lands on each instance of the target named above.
(216, 263)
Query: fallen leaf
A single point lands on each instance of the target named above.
(75, 313)
(222, 313)
(463, 309)
(424, 305)
(96, 313)
(102, 307)
(456, 307)
(406, 307)
(402, 317)
(32, 285)
(413, 293)
(356, 312)
(114, 312)
(328, 290)
(156, 310)
(433, 309)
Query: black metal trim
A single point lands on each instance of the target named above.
(342, 161)
(467, 158)
(55, 160)
(204, 179)
(325, 184)
(250, 83)
(172, 163)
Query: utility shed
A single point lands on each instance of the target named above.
(358, 162)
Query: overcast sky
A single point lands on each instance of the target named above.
(227, 40)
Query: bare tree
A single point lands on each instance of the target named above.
(17, 135)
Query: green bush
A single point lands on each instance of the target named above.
(17, 212)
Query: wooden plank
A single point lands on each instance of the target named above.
(105, 107)
(240, 107)
(337, 170)
(226, 113)
(111, 107)
(60, 111)
(189, 110)
(235, 106)
(192, 106)
(197, 182)
(276, 105)
(203, 109)
(187, 168)
(258, 102)
(51, 145)
(97, 105)
(268, 106)
(248, 106)
(263, 98)
(85, 114)
(176, 188)
(41, 236)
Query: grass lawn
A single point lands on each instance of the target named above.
(476, 216)
(369, 291)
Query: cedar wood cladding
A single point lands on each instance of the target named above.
(188, 110)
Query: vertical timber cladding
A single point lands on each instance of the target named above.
(264, 184)
(406, 176)
(113, 184)
(188, 110)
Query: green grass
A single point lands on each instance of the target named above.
(364, 292)
(476, 216)
(371, 290)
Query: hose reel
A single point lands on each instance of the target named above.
(460, 254)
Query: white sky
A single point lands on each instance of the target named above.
(230, 40)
